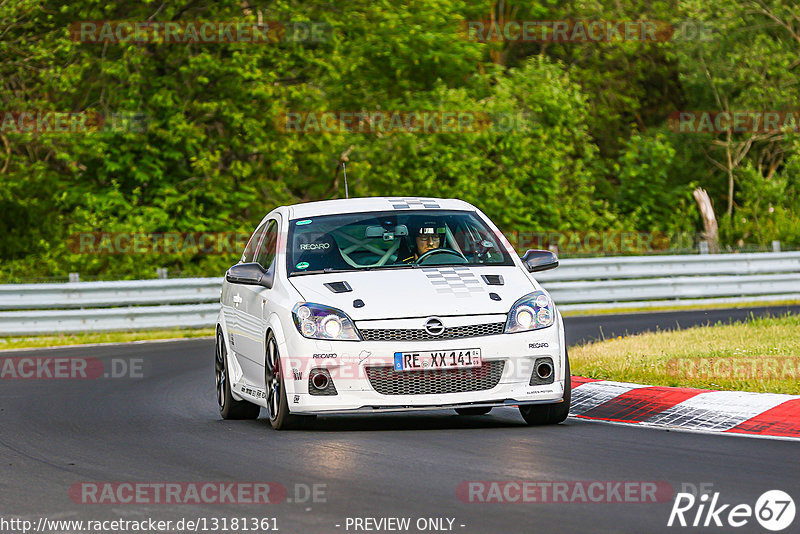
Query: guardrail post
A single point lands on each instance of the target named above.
(776, 246)
(161, 273)
(703, 246)
(74, 277)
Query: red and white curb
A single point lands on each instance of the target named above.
(700, 410)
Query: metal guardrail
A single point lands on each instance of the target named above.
(108, 319)
(109, 294)
(622, 267)
(578, 284)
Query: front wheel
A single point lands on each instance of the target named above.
(277, 403)
(550, 414)
(229, 408)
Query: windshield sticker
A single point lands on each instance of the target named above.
(302, 265)
(304, 221)
(315, 246)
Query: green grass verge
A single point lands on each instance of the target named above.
(762, 355)
(25, 342)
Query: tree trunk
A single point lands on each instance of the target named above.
(711, 233)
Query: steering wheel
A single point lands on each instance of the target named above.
(441, 251)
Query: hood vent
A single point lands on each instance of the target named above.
(339, 287)
(492, 279)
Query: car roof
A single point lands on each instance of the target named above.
(367, 204)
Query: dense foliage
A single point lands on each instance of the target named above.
(195, 144)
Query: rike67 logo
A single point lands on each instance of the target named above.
(774, 510)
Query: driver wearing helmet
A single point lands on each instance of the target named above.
(427, 238)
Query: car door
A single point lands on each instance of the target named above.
(232, 296)
(252, 326)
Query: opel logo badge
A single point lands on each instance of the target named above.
(434, 326)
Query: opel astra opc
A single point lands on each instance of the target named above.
(372, 305)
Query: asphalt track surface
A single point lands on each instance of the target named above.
(165, 427)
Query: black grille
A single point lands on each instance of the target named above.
(386, 381)
(411, 334)
(493, 279)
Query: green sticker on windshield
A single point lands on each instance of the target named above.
(302, 265)
(305, 221)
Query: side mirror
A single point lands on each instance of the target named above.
(540, 260)
(251, 274)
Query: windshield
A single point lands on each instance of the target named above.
(391, 240)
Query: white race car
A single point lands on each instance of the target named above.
(370, 305)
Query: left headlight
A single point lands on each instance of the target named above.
(531, 312)
(316, 321)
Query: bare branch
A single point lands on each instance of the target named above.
(8, 154)
(343, 158)
(765, 10)
(157, 11)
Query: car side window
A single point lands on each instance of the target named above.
(252, 245)
(269, 246)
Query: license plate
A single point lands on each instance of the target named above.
(440, 359)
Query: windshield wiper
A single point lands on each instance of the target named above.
(326, 270)
(392, 266)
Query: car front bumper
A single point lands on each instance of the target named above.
(348, 362)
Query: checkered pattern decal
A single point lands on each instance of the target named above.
(459, 281)
(409, 203)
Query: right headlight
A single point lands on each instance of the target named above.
(316, 321)
(531, 312)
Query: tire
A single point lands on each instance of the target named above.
(473, 411)
(550, 414)
(277, 404)
(229, 408)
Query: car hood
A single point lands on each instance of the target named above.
(418, 292)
